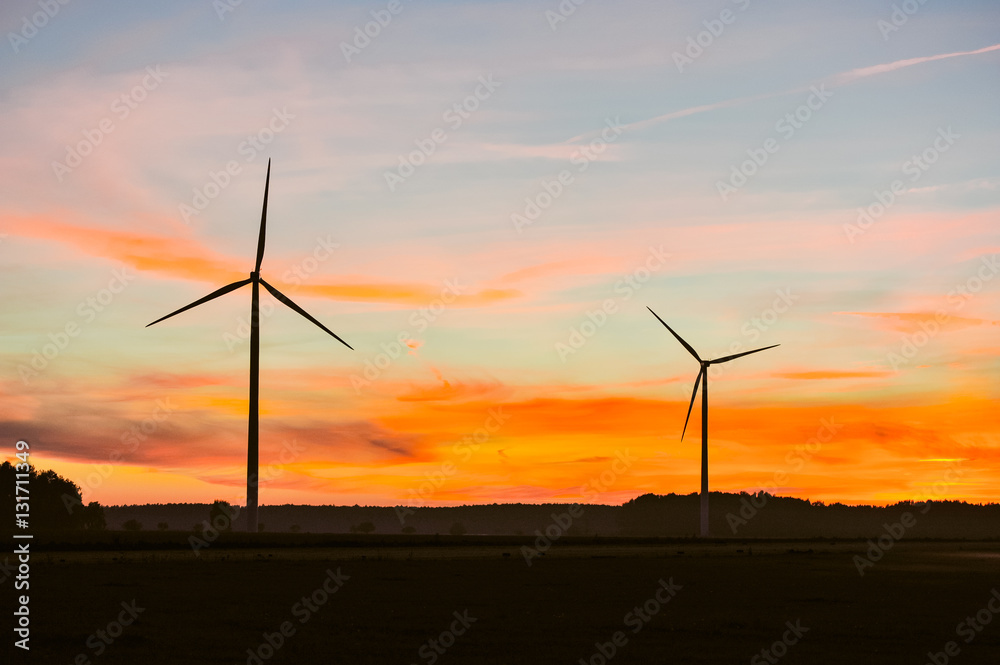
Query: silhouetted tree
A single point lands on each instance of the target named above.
(221, 515)
(93, 517)
(162, 526)
(457, 529)
(132, 525)
(409, 529)
(363, 527)
(55, 502)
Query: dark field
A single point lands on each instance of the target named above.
(731, 605)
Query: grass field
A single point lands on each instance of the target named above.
(719, 603)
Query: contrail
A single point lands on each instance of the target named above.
(864, 72)
(837, 79)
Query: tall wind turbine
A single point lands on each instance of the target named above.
(703, 379)
(255, 280)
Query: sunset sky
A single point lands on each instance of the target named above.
(482, 199)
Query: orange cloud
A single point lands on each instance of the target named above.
(546, 447)
(832, 374)
(185, 258)
(911, 321)
(450, 391)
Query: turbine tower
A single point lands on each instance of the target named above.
(703, 379)
(255, 280)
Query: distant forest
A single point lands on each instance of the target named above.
(56, 504)
(672, 515)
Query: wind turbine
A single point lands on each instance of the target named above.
(255, 280)
(703, 378)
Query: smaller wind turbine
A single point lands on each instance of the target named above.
(703, 379)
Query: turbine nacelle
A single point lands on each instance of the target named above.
(705, 364)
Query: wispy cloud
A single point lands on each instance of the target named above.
(842, 78)
(185, 258)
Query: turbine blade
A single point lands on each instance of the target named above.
(739, 355)
(286, 300)
(679, 338)
(214, 294)
(263, 219)
(697, 382)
